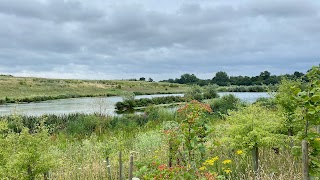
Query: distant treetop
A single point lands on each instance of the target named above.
(221, 78)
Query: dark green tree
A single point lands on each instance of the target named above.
(142, 79)
(265, 75)
(188, 79)
(221, 79)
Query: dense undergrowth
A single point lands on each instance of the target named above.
(75, 146)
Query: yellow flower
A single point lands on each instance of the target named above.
(227, 161)
(215, 158)
(228, 171)
(202, 168)
(317, 139)
(211, 161)
(239, 152)
(155, 157)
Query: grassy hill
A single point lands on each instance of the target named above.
(28, 89)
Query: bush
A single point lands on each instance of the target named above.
(210, 92)
(24, 155)
(266, 102)
(194, 93)
(144, 102)
(221, 106)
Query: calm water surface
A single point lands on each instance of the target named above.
(92, 104)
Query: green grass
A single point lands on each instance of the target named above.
(20, 89)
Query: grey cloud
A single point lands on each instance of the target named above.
(51, 10)
(118, 39)
(284, 8)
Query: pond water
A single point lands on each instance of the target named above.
(103, 105)
(247, 96)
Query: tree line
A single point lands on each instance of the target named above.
(221, 78)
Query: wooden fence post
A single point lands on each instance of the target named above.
(31, 176)
(108, 168)
(255, 160)
(131, 167)
(120, 166)
(170, 153)
(305, 160)
(46, 175)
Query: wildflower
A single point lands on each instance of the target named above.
(162, 167)
(227, 161)
(239, 152)
(211, 161)
(317, 139)
(228, 171)
(202, 168)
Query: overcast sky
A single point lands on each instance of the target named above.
(121, 39)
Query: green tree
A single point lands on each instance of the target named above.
(221, 78)
(288, 105)
(142, 79)
(309, 100)
(194, 129)
(265, 75)
(188, 79)
(298, 74)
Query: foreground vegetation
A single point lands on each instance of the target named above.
(75, 147)
(220, 139)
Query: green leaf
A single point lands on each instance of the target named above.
(315, 98)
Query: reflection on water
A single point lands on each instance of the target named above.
(103, 105)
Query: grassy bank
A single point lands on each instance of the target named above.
(18, 89)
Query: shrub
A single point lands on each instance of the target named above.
(210, 92)
(194, 93)
(227, 102)
(24, 155)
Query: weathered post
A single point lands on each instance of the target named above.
(131, 167)
(255, 160)
(31, 176)
(108, 168)
(170, 154)
(305, 160)
(120, 166)
(46, 175)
